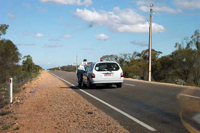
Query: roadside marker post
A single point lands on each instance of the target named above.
(11, 90)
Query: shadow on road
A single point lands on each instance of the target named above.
(86, 88)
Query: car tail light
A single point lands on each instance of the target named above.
(93, 75)
(122, 75)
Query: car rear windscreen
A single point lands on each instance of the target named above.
(106, 67)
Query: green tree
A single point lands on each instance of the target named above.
(69, 68)
(27, 63)
(9, 57)
(3, 28)
(183, 61)
(195, 41)
(111, 57)
(162, 70)
(145, 55)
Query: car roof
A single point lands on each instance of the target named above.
(94, 63)
(103, 62)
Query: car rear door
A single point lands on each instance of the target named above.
(85, 74)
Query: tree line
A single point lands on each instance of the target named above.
(9, 62)
(182, 66)
(68, 68)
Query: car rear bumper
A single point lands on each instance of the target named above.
(106, 81)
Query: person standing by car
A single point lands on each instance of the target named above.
(80, 72)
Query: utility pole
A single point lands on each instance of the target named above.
(150, 40)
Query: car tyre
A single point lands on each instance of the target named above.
(90, 86)
(84, 85)
(119, 85)
(108, 85)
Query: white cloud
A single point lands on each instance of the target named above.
(160, 9)
(12, 16)
(25, 44)
(139, 3)
(102, 37)
(139, 43)
(157, 7)
(66, 36)
(126, 20)
(39, 35)
(187, 4)
(42, 10)
(118, 16)
(54, 45)
(25, 33)
(192, 14)
(26, 5)
(69, 2)
(140, 28)
(54, 40)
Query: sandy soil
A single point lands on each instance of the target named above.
(48, 105)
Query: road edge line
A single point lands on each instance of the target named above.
(109, 105)
(190, 96)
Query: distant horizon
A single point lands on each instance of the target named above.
(52, 32)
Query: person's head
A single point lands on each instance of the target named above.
(85, 60)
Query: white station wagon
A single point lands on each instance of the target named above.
(103, 73)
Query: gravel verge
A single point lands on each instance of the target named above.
(49, 105)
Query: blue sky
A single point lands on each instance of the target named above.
(53, 31)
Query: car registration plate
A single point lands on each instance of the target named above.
(107, 74)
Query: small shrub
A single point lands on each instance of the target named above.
(130, 75)
(136, 77)
(16, 128)
(15, 118)
(180, 82)
(5, 127)
(2, 113)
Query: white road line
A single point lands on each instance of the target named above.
(129, 84)
(109, 105)
(190, 96)
(165, 84)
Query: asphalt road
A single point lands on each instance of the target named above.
(143, 107)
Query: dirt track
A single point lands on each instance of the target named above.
(49, 105)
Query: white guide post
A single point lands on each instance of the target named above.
(11, 90)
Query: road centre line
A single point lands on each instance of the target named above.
(190, 96)
(109, 105)
(129, 84)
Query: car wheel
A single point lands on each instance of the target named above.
(84, 85)
(108, 85)
(89, 84)
(119, 85)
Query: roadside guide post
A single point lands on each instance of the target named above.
(11, 90)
